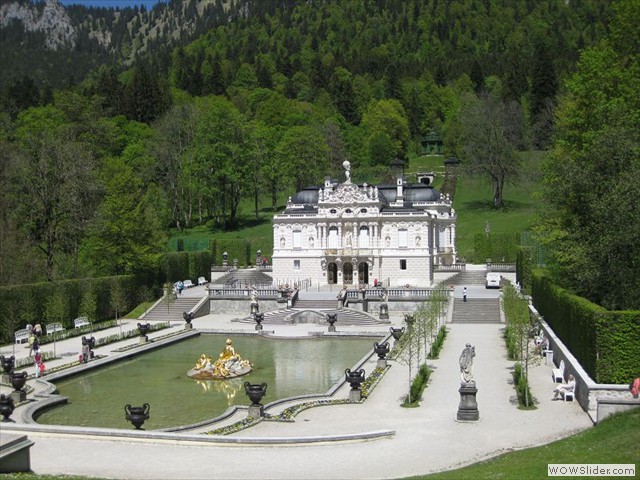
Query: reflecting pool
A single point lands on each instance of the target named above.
(290, 368)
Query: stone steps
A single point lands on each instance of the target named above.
(243, 278)
(175, 311)
(468, 277)
(476, 310)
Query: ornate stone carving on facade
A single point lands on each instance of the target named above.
(347, 193)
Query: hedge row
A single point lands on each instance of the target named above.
(499, 247)
(23, 304)
(604, 342)
(524, 268)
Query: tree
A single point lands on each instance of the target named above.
(56, 175)
(386, 119)
(304, 153)
(544, 87)
(489, 137)
(146, 97)
(88, 304)
(591, 219)
(117, 301)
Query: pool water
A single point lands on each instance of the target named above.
(290, 367)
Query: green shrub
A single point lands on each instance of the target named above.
(604, 342)
(434, 352)
(522, 387)
(418, 385)
(15, 313)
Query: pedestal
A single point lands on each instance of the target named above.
(14, 453)
(384, 312)
(332, 328)
(18, 396)
(6, 379)
(188, 326)
(259, 327)
(468, 408)
(355, 395)
(548, 355)
(143, 339)
(255, 411)
(382, 363)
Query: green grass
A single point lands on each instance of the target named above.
(473, 203)
(139, 310)
(615, 440)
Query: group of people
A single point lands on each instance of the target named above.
(35, 332)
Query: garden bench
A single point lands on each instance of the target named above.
(81, 322)
(188, 284)
(22, 335)
(568, 395)
(54, 327)
(202, 280)
(558, 373)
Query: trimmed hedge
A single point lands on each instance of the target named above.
(524, 268)
(499, 247)
(604, 342)
(15, 313)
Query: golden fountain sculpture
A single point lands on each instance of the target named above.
(228, 365)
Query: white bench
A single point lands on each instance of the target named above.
(188, 284)
(202, 280)
(81, 322)
(558, 373)
(568, 395)
(22, 335)
(54, 327)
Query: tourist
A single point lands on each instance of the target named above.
(634, 387)
(38, 362)
(542, 344)
(38, 330)
(180, 287)
(32, 341)
(464, 294)
(563, 389)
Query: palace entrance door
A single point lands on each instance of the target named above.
(332, 273)
(363, 272)
(347, 273)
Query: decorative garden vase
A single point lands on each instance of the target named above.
(137, 415)
(354, 378)
(381, 349)
(18, 380)
(396, 333)
(8, 364)
(6, 406)
(255, 392)
(144, 328)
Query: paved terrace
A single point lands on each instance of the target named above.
(373, 440)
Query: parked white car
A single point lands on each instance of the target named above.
(492, 280)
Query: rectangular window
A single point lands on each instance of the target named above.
(297, 239)
(403, 238)
(296, 264)
(403, 264)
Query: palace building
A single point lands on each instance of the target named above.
(349, 234)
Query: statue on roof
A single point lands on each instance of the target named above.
(347, 170)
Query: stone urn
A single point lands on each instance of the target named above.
(6, 406)
(396, 333)
(8, 364)
(354, 378)
(144, 328)
(137, 415)
(255, 392)
(18, 380)
(409, 319)
(90, 342)
(332, 318)
(259, 318)
(381, 349)
(188, 317)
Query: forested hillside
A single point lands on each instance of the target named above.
(273, 97)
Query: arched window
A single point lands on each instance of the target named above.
(333, 241)
(363, 238)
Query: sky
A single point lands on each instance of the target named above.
(111, 3)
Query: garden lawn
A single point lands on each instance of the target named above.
(615, 440)
(474, 204)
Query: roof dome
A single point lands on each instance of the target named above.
(307, 196)
(422, 193)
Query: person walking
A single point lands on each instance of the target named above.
(464, 294)
(38, 363)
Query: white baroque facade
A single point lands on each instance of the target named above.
(350, 234)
